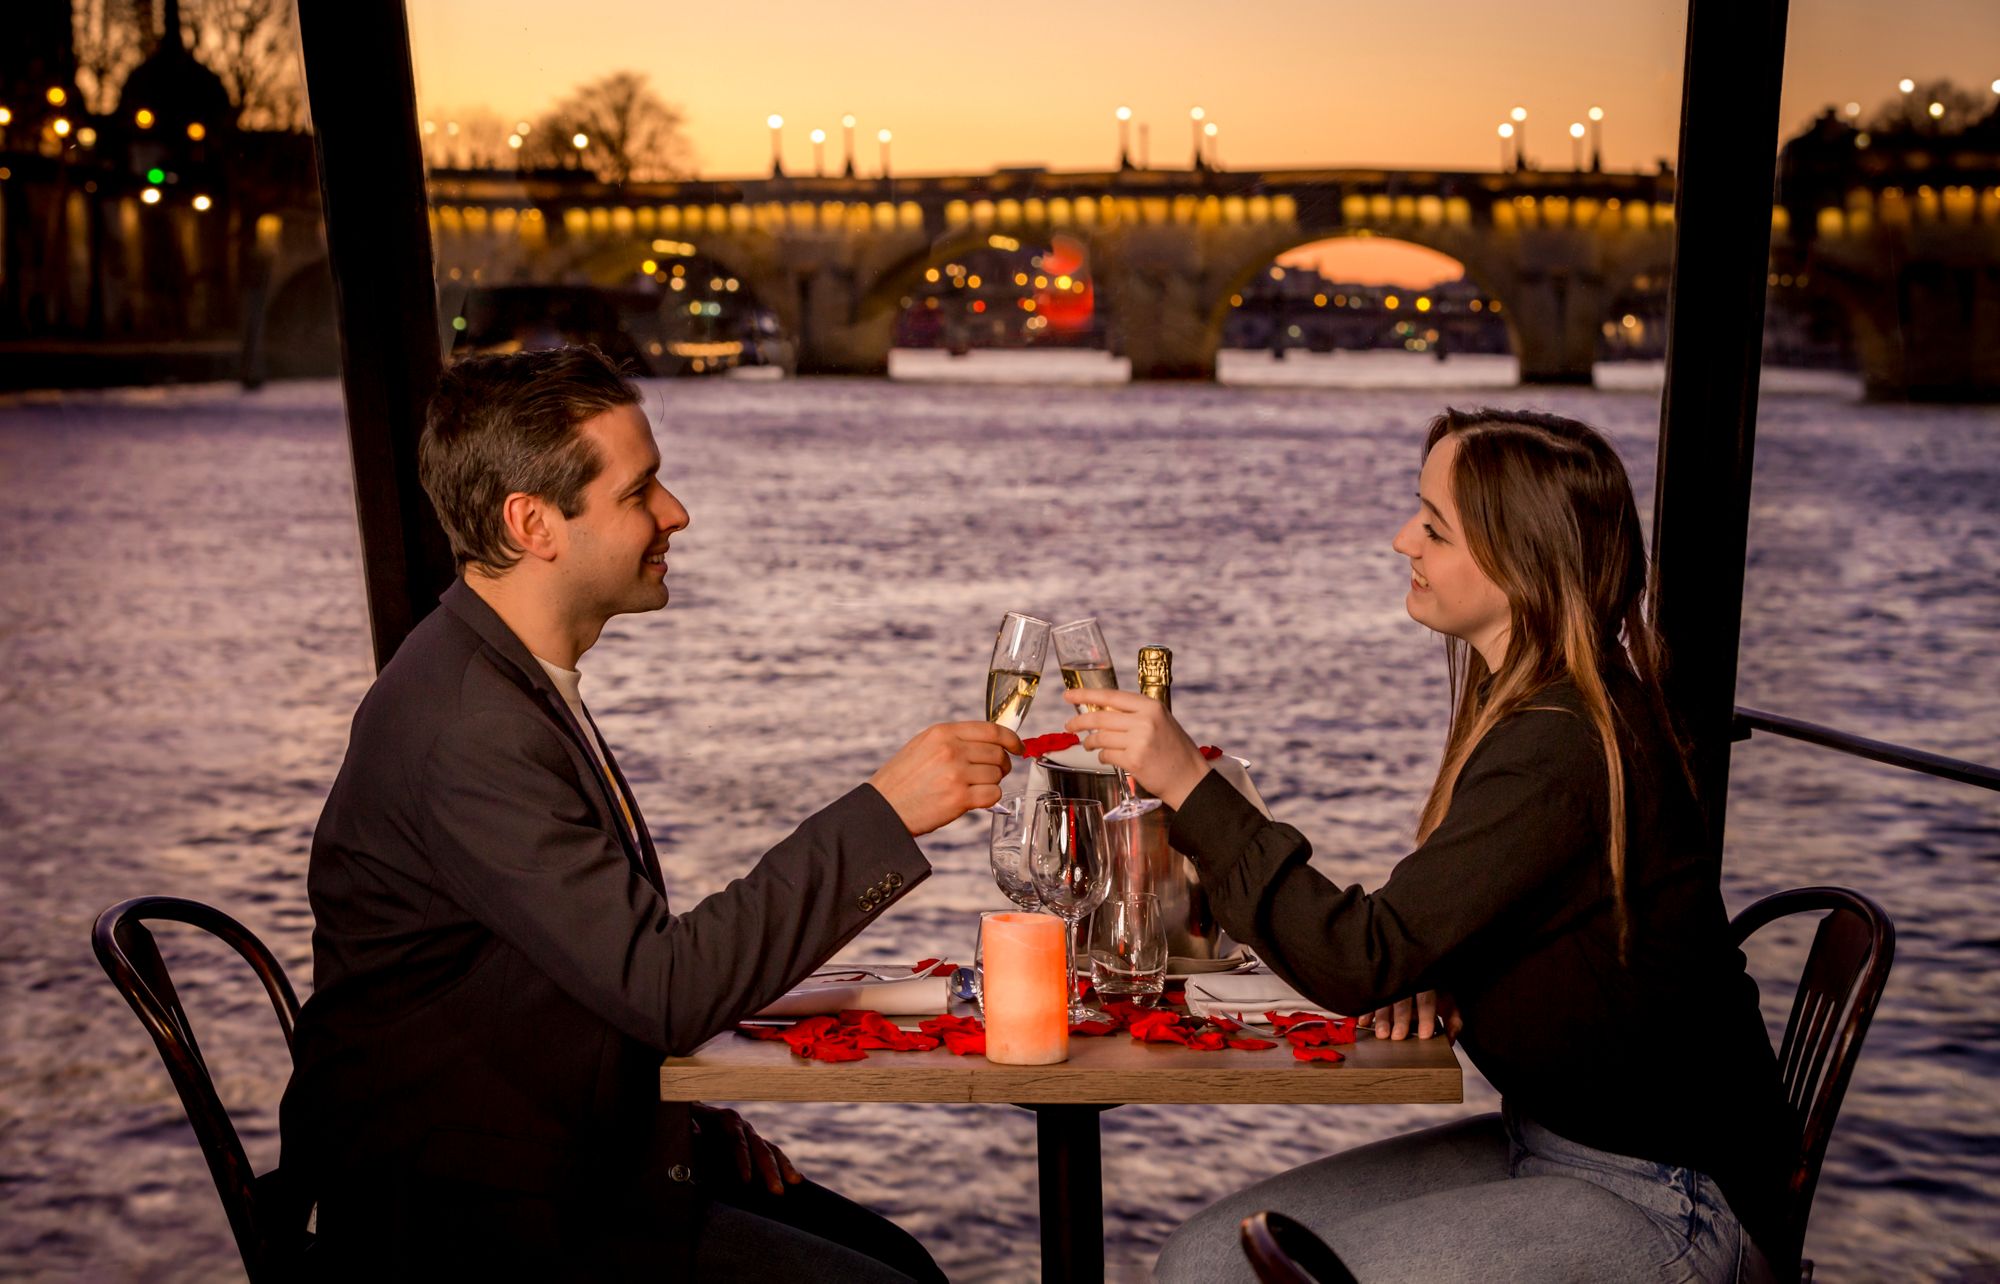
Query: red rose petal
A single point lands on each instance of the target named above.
(1036, 746)
(1317, 1054)
(1249, 1044)
(1210, 752)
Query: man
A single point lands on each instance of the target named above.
(498, 969)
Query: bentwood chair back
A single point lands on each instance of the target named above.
(1283, 1252)
(266, 1215)
(1843, 979)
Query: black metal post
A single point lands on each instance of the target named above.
(1715, 332)
(363, 98)
(1070, 1165)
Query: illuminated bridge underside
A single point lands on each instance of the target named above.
(834, 258)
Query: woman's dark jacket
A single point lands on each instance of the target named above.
(1508, 906)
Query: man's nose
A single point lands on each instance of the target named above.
(673, 515)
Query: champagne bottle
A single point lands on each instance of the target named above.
(1156, 674)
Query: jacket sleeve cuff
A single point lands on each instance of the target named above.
(1215, 826)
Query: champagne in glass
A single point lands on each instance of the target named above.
(1090, 677)
(1009, 692)
(1086, 666)
(1015, 672)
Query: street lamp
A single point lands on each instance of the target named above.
(1576, 144)
(1210, 130)
(1520, 118)
(847, 123)
(883, 137)
(1195, 115)
(580, 141)
(777, 123)
(1506, 133)
(819, 153)
(1906, 84)
(1124, 115)
(1596, 139)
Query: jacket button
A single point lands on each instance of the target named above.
(681, 1172)
(895, 881)
(865, 901)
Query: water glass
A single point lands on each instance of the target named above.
(1130, 958)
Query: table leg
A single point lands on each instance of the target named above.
(1070, 1159)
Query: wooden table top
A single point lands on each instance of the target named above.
(1111, 1069)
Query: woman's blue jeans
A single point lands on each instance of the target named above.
(1496, 1197)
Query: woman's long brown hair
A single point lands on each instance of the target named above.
(1547, 514)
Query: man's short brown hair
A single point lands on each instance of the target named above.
(508, 422)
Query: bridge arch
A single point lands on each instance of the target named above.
(1488, 277)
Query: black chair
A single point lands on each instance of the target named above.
(267, 1215)
(1283, 1252)
(1843, 979)
(1844, 975)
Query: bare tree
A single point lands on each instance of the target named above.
(630, 131)
(254, 46)
(110, 41)
(1958, 110)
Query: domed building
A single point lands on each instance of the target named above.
(173, 99)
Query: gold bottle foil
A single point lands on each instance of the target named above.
(1156, 674)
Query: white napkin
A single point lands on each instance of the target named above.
(1245, 996)
(913, 995)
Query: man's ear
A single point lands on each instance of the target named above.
(533, 525)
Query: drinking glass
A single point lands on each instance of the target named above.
(1130, 958)
(1013, 820)
(1071, 872)
(1015, 671)
(1086, 666)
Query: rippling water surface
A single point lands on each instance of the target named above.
(182, 643)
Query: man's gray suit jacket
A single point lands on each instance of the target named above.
(498, 972)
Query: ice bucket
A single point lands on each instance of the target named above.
(1149, 865)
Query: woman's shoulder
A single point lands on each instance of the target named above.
(1554, 723)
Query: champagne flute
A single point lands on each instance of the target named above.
(1086, 666)
(1015, 672)
(1013, 822)
(1071, 873)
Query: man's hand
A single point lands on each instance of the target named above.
(1394, 1021)
(946, 771)
(1137, 733)
(731, 1136)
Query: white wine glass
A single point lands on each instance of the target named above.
(1072, 873)
(1013, 822)
(1086, 665)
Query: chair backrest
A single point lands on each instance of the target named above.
(266, 1215)
(1843, 979)
(1283, 1252)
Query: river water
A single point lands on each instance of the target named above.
(182, 643)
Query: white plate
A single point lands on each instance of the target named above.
(1182, 969)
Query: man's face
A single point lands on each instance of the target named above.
(614, 558)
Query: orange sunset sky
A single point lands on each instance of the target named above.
(967, 88)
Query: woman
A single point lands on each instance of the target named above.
(1560, 903)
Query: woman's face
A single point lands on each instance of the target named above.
(1448, 591)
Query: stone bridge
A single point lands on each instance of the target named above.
(834, 258)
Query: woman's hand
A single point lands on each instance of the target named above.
(1137, 734)
(1394, 1021)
